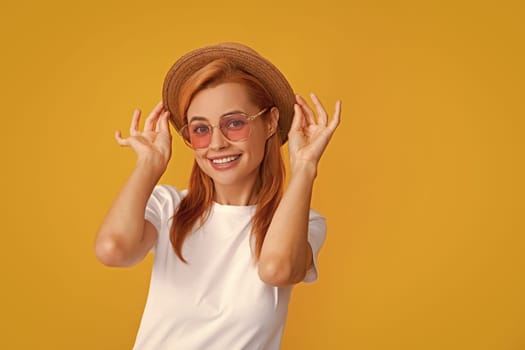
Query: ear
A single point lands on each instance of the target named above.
(273, 122)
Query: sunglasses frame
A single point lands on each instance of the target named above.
(248, 117)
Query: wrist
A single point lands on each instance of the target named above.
(151, 165)
(303, 168)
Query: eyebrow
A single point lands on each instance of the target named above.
(198, 117)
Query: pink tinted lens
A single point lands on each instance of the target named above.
(235, 127)
(198, 135)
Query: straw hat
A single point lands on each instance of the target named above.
(247, 60)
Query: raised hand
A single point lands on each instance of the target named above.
(153, 144)
(308, 135)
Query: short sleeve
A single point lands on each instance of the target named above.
(316, 238)
(154, 208)
(160, 207)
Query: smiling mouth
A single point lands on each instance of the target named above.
(225, 160)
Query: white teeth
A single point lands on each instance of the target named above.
(225, 160)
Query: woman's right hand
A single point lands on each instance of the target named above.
(153, 145)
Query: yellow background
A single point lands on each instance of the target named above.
(422, 185)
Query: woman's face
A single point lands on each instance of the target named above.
(229, 163)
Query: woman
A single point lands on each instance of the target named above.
(229, 249)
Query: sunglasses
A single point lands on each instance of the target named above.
(235, 127)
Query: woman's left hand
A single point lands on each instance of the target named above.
(308, 137)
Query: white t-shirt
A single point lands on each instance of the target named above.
(217, 301)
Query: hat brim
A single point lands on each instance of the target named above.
(247, 60)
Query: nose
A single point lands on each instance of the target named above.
(218, 140)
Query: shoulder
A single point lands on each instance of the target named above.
(161, 205)
(165, 193)
(314, 215)
(316, 228)
(163, 201)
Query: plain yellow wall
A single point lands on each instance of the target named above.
(422, 185)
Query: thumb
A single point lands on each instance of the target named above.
(121, 141)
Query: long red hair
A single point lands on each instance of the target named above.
(195, 206)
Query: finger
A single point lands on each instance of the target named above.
(160, 121)
(337, 117)
(120, 140)
(152, 119)
(323, 117)
(163, 124)
(307, 111)
(297, 120)
(134, 128)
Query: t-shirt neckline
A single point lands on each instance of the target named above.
(232, 208)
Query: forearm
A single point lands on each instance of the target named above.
(124, 222)
(286, 254)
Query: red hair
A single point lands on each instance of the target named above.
(195, 206)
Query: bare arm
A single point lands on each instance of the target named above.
(124, 238)
(286, 254)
